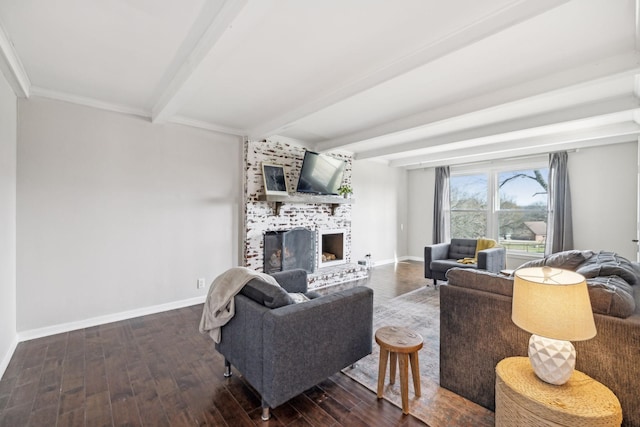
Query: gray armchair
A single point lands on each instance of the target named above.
(283, 349)
(441, 257)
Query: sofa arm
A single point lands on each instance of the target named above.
(307, 342)
(492, 260)
(432, 253)
(292, 280)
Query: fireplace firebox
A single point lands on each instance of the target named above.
(288, 250)
(332, 246)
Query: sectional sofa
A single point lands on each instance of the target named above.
(476, 330)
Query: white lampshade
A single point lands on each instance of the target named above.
(553, 304)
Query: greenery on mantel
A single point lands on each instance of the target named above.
(345, 190)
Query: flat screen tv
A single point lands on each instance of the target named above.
(320, 174)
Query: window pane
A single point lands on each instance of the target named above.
(468, 192)
(524, 189)
(523, 209)
(468, 225)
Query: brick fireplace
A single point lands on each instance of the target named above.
(264, 219)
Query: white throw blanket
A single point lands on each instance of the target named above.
(219, 307)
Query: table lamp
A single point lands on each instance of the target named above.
(552, 304)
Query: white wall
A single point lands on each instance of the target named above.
(421, 192)
(8, 117)
(116, 214)
(604, 195)
(379, 216)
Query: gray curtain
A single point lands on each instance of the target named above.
(559, 223)
(441, 206)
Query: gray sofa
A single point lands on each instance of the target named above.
(441, 257)
(476, 330)
(282, 348)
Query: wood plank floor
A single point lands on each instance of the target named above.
(157, 370)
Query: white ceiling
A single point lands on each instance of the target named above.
(415, 83)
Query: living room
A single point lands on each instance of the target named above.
(110, 212)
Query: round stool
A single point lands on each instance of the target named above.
(524, 399)
(401, 344)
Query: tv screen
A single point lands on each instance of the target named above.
(320, 174)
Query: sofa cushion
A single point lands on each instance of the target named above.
(568, 260)
(312, 295)
(481, 280)
(266, 294)
(605, 264)
(612, 296)
(443, 265)
(462, 248)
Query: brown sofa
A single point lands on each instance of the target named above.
(476, 332)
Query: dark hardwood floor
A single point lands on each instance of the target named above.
(157, 370)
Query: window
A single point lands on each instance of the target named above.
(508, 204)
(468, 196)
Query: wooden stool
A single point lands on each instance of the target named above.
(399, 344)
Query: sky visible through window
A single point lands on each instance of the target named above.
(522, 191)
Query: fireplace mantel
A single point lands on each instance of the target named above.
(334, 201)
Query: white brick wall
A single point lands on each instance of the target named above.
(260, 216)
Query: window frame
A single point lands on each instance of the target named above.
(492, 171)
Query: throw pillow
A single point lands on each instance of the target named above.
(606, 263)
(266, 294)
(611, 296)
(568, 260)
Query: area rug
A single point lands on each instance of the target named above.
(419, 310)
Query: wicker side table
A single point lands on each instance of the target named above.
(523, 399)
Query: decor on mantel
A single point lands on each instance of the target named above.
(275, 181)
(345, 191)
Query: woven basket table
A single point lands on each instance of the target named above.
(522, 399)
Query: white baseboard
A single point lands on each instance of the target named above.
(414, 258)
(392, 260)
(109, 318)
(7, 357)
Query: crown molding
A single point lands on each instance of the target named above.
(88, 102)
(185, 121)
(12, 67)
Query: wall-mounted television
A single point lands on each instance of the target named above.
(320, 174)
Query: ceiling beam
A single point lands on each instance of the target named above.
(601, 112)
(618, 133)
(12, 67)
(209, 28)
(493, 23)
(548, 86)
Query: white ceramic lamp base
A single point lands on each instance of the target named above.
(553, 361)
